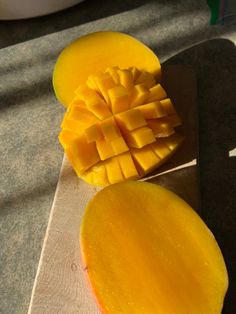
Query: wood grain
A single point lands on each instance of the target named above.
(60, 285)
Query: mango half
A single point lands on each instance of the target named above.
(93, 53)
(145, 250)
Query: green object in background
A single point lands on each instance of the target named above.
(222, 11)
(215, 10)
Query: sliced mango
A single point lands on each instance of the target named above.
(146, 251)
(113, 118)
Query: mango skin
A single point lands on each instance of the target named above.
(145, 250)
(93, 53)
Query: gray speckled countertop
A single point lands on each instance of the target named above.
(30, 156)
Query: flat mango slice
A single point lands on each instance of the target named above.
(93, 54)
(145, 250)
(113, 117)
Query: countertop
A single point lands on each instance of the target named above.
(30, 156)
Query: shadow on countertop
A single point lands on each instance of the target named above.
(16, 31)
(13, 32)
(215, 65)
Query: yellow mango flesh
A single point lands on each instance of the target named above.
(145, 250)
(93, 54)
(111, 119)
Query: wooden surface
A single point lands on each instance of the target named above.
(60, 285)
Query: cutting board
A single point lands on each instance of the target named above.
(60, 285)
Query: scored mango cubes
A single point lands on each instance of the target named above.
(119, 126)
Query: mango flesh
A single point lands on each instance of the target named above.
(107, 123)
(145, 250)
(93, 53)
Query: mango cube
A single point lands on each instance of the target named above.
(139, 137)
(98, 107)
(109, 129)
(119, 145)
(135, 72)
(93, 133)
(119, 98)
(161, 148)
(104, 149)
(146, 79)
(160, 128)
(127, 166)
(79, 113)
(99, 174)
(168, 106)
(157, 92)
(130, 119)
(145, 158)
(152, 110)
(104, 82)
(84, 155)
(139, 95)
(174, 141)
(126, 78)
(113, 71)
(113, 170)
(172, 120)
(84, 91)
